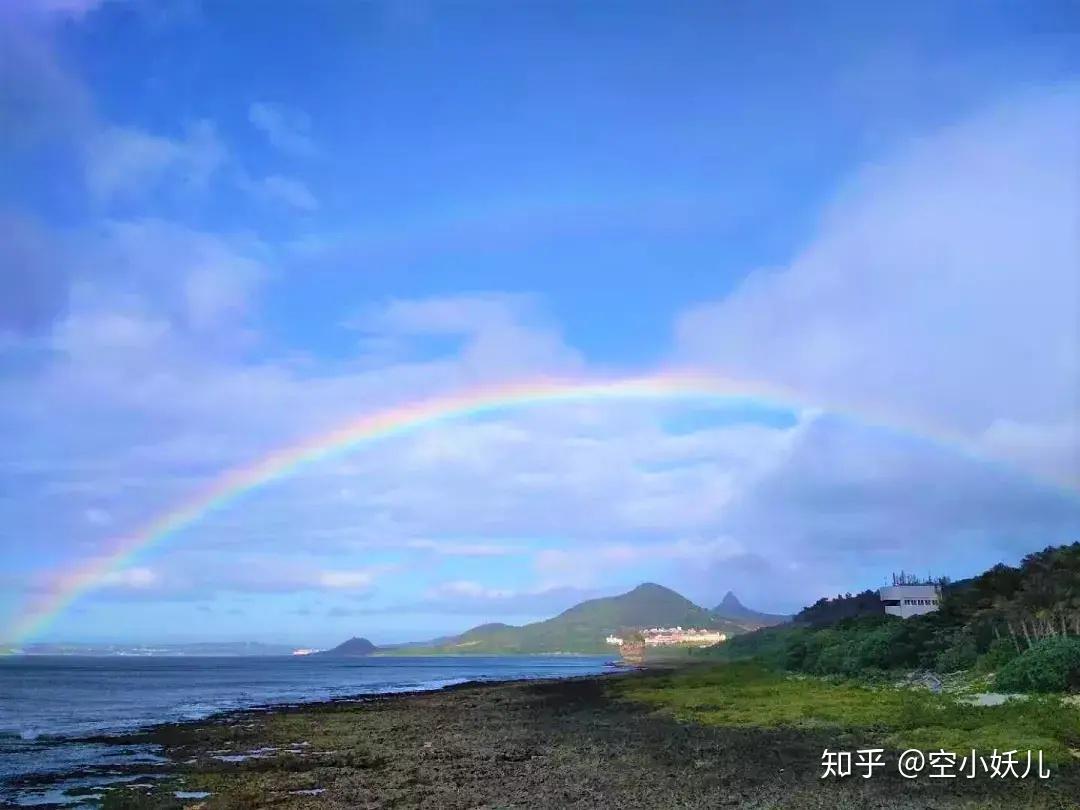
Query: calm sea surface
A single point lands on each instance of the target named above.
(47, 702)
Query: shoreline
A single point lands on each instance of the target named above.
(358, 699)
(549, 742)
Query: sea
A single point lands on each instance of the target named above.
(50, 705)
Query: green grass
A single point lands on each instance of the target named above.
(748, 694)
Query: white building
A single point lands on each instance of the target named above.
(669, 636)
(906, 601)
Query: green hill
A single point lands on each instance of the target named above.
(582, 628)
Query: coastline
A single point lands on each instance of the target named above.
(562, 742)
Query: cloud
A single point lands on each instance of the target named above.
(40, 100)
(47, 111)
(285, 191)
(184, 575)
(97, 517)
(139, 578)
(33, 277)
(286, 129)
(470, 598)
(126, 162)
(941, 288)
(453, 315)
(63, 8)
(500, 334)
(454, 548)
(467, 589)
(852, 504)
(196, 280)
(592, 564)
(356, 580)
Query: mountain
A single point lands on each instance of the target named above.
(731, 608)
(582, 628)
(352, 648)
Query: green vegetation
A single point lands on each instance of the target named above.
(582, 628)
(751, 694)
(1022, 621)
(1051, 665)
(842, 666)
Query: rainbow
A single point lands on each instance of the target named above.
(397, 421)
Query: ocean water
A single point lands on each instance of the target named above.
(47, 703)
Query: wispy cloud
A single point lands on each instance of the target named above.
(125, 162)
(287, 129)
(285, 191)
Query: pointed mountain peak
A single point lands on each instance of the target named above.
(730, 600)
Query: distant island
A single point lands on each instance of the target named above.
(353, 648)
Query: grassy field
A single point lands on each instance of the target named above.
(750, 695)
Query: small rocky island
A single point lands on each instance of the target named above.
(353, 648)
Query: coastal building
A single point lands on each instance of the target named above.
(670, 636)
(907, 600)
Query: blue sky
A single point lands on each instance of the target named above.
(228, 226)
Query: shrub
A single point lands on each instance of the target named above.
(1050, 665)
(832, 660)
(877, 649)
(959, 654)
(1000, 652)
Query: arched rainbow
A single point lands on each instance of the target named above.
(396, 421)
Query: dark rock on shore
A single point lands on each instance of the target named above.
(550, 744)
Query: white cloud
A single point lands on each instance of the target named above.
(195, 279)
(128, 163)
(454, 548)
(348, 580)
(285, 128)
(97, 517)
(60, 8)
(502, 335)
(285, 191)
(138, 578)
(468, 597)
(33, 276)
(592, 564)
(465, 588)
(941, 288)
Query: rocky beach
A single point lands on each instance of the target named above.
(567, 743)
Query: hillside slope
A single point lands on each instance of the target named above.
(582, 628)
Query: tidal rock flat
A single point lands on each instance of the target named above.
(575, 743)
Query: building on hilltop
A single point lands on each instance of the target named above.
(907, 600)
